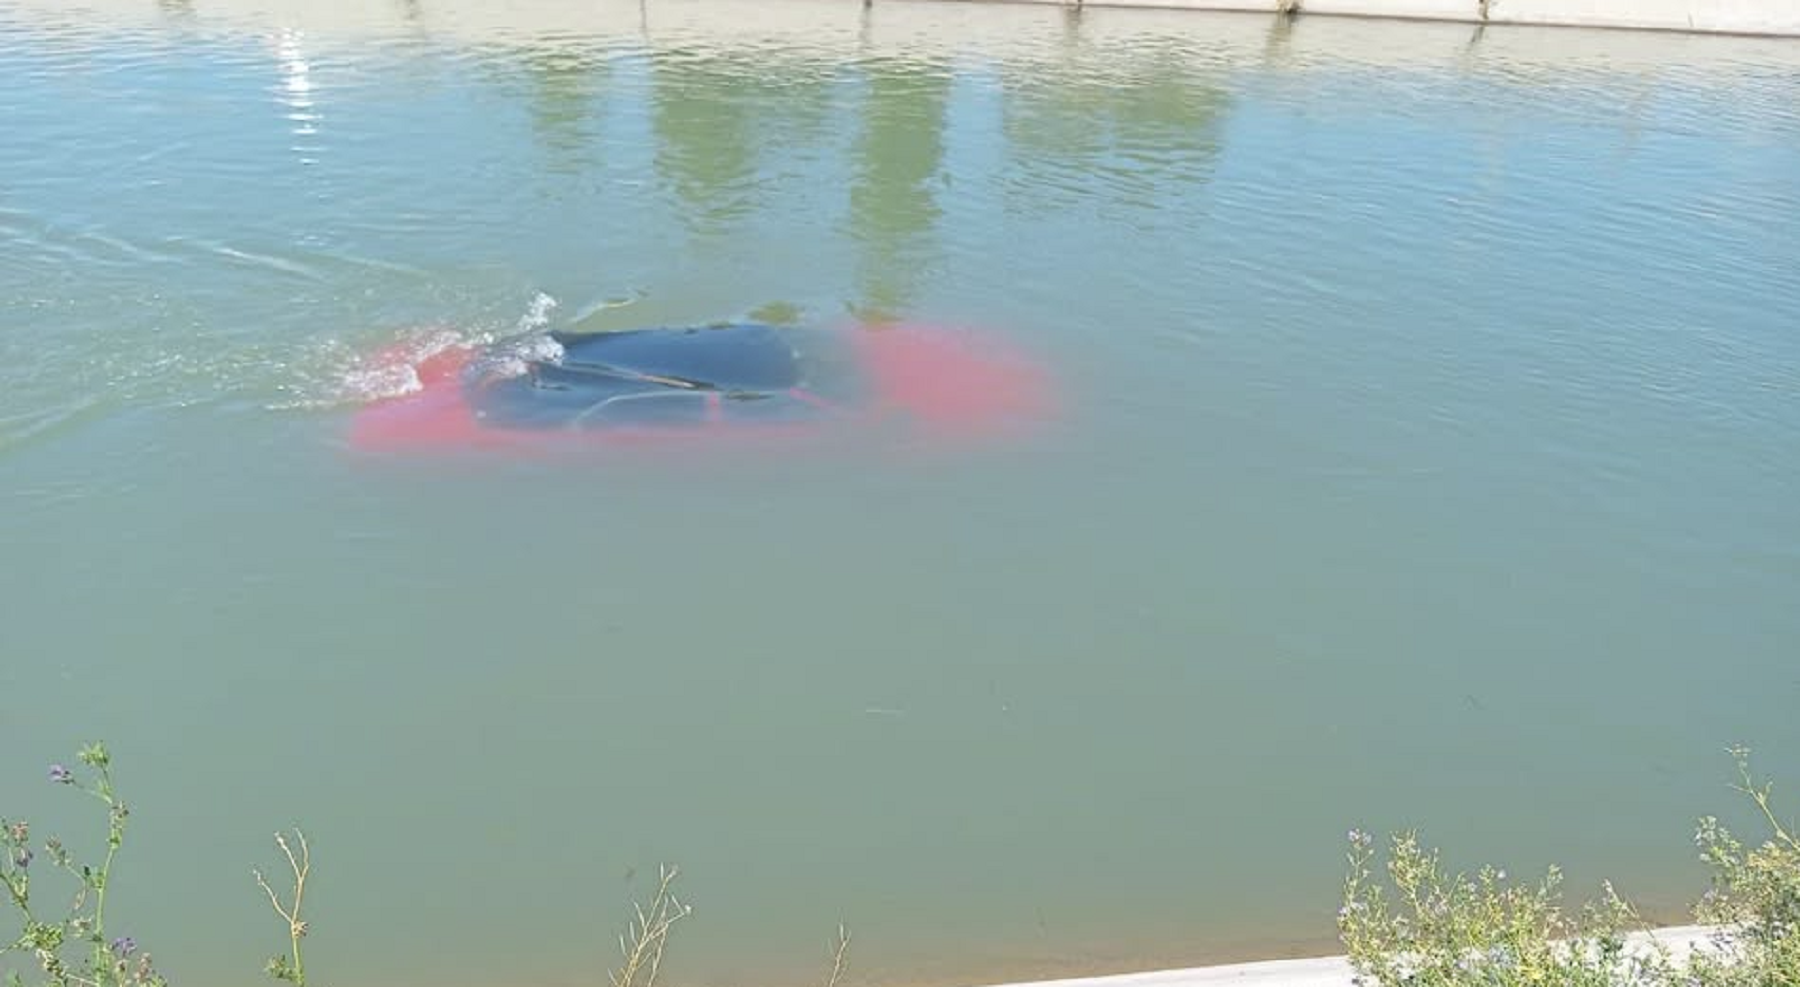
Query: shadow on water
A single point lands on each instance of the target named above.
(898, 157)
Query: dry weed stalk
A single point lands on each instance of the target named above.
(280, 967)
(643, 944)
(838, 958)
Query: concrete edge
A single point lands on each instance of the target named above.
(556, 21)
(1699, 17)
(1328, 971)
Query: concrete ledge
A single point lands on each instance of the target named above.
(958, 23)
(1329, 971)
(1437, 10)
(1707, 16)
(1322, 972)
(1780, 18)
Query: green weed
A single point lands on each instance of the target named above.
(1433, 929)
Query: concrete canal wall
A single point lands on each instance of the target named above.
(1762, 17)
(1680, 942)
(1768, 18)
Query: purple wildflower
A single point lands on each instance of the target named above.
(124, 946)
(61, 775)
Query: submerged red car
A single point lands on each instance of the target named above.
(739, 379)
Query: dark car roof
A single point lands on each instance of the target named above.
(734, 357)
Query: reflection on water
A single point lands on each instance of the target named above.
(731, 125)
(1145, 121)
(707, 116)
(296, 94)
(898, 160)
(565, 83)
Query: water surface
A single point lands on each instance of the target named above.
(1429, 458)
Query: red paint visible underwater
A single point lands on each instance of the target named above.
(943, 385)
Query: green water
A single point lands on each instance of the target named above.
(1430, 455)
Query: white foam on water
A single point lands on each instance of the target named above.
(512, 358)
(509, 357)
(537, 314)
(342, 375)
